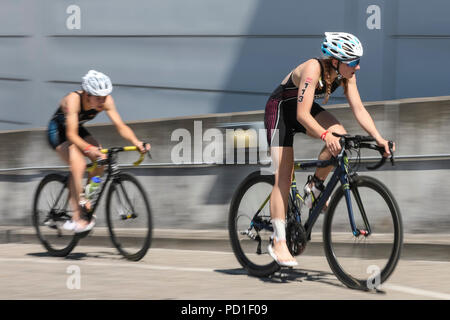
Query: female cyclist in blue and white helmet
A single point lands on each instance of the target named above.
(292, 108)
(68, 136)
(344, 47)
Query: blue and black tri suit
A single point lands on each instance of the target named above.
(56, 131)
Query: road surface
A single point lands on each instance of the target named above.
(98, 272)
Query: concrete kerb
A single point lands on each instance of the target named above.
(415, 246)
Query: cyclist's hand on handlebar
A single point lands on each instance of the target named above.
(94, 153)
(333, 144)
(385, 144)
(143, 147)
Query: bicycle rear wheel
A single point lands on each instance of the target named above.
(129, 217)
(250, 234)
(363, 262)
(50, 211)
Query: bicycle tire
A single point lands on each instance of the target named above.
(43, 232)
(117, 240)
(347, 279)
(255, 269)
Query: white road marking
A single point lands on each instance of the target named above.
(431, 261)
(193, 250)
(100, 264)
(417, 292)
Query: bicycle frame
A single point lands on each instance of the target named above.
(340, 174)
(112, 172)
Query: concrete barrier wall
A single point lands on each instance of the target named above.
(198, 196)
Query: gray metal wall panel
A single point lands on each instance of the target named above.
(218, 48)
(201, 63)
(197, 17)
(416, 17)
(163, 103)
(16, 18)
(16, 58)
(14, 104)
(421, 67)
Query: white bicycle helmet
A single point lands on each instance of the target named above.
(97, 84)
(342, 46)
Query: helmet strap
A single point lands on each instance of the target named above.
(339, 75)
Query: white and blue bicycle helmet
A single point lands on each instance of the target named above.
(342, 46)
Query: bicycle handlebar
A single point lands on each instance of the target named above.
(101, 162)
(358, 142)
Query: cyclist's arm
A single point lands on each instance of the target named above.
(71, 108)
(361, 114)
(125, 131)
(305, 98)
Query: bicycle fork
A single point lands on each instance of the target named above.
(345, 181)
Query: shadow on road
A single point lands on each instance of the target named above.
(78, 256)
(295, 275)
(291, 275)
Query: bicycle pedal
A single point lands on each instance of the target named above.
(50, 223)
(129, 216)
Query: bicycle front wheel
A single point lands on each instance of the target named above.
(128, 216)
(366, 260)
(51, 210)
(249, 224)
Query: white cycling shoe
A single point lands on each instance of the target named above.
(86, 228)
(73, 226)
(69, 225)
(291, 263)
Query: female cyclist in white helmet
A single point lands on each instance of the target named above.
(291, 108)
(67, 135)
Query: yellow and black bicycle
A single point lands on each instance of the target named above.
(128, 211)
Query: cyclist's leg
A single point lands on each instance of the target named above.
(280, 139)
(86, 136)
(70, 154)
(83, 133)
(77, 169)
(64, 151)
(330, 123)
(99, 170)
(283, 158)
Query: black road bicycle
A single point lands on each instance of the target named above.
(362, 228)
(128, 212)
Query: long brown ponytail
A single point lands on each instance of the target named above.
(328, 68)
